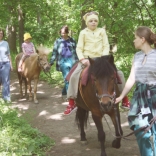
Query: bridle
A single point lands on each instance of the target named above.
(112, 97)
(40, 64)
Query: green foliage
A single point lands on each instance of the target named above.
(17, 137)
(43, 19)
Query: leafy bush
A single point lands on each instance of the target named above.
(17, 137)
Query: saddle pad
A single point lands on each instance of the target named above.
(83, 77)
(71, 71)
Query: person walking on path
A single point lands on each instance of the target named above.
(64, 52)
(143, 104)
(5, 67)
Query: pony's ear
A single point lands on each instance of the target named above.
(90, 60)
(111, 59)
(43, 50)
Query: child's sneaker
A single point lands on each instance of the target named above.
(70, 109)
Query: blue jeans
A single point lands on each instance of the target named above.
(5, 80)
(65, 66)
(146, 147)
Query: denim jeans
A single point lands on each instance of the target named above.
(146, 146)
(65, 66)
(5, 80)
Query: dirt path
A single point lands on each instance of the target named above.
(48, 117)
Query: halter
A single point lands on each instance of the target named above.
(112, 97)
(40, 64)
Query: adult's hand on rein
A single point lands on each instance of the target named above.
(118, 100)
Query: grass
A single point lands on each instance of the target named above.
(17, 137)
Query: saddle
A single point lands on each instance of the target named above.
(83, 76)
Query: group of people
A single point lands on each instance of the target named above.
(93, 42)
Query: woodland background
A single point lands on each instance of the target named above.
(44, 18)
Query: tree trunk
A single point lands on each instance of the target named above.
(12, 38)
(21, 27)
(11, 28)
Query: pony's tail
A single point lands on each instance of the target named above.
(81, 117)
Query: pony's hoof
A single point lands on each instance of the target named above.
(116, 144)
(84, 142)
(21, 96)
(30, 99)
(36, 101)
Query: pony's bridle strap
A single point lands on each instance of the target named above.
(106, 95)
(112, 97)
(40, 63)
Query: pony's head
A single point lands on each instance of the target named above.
(43, 58)
(102, 72)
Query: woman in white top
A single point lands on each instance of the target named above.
(5, 67)
(143, 104)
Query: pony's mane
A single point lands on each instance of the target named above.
(43, 50)
(102, 68)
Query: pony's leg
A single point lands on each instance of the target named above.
(81, 119)
(25, 82)
(101, 133)
(20, 83)
(30, 89)
(115, 116)
(35, 91)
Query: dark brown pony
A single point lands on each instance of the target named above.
(31, 68)
(98, 96)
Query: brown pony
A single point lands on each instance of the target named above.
(31, 68)
(98, 96)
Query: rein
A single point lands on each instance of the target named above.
(143, 128)
(38, 59)
(46, 73)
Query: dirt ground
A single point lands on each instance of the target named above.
(47, 116)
